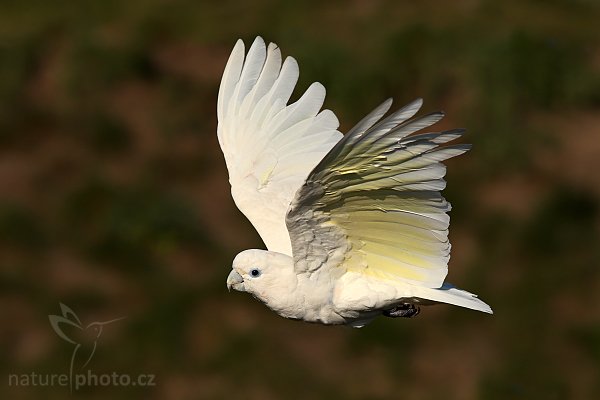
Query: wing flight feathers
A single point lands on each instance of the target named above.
(256, 128)
(373, 205)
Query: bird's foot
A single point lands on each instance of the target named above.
(405, 310)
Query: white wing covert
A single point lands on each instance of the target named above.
(270, 147)
(373, 204)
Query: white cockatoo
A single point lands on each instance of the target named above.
(354, 224)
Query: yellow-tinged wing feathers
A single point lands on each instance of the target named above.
(373, 204)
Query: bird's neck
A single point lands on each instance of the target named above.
(300, 296)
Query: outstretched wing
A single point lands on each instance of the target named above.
(270, 147)
(373, 204)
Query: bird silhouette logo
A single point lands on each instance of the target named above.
(84, 338)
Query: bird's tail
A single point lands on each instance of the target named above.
(451, 295)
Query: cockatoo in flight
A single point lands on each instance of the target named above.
(354, 224)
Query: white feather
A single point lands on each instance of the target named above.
(255, 128)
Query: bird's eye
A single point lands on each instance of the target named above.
(255, 273)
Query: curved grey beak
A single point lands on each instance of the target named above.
(235, 281)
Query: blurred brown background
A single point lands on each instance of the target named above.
(114, 197)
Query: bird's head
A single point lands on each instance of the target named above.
(262, 273)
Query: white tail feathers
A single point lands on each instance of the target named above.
(451, 295)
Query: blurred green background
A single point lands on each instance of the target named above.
(114, 197)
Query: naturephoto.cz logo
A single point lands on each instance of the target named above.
(84, 341)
